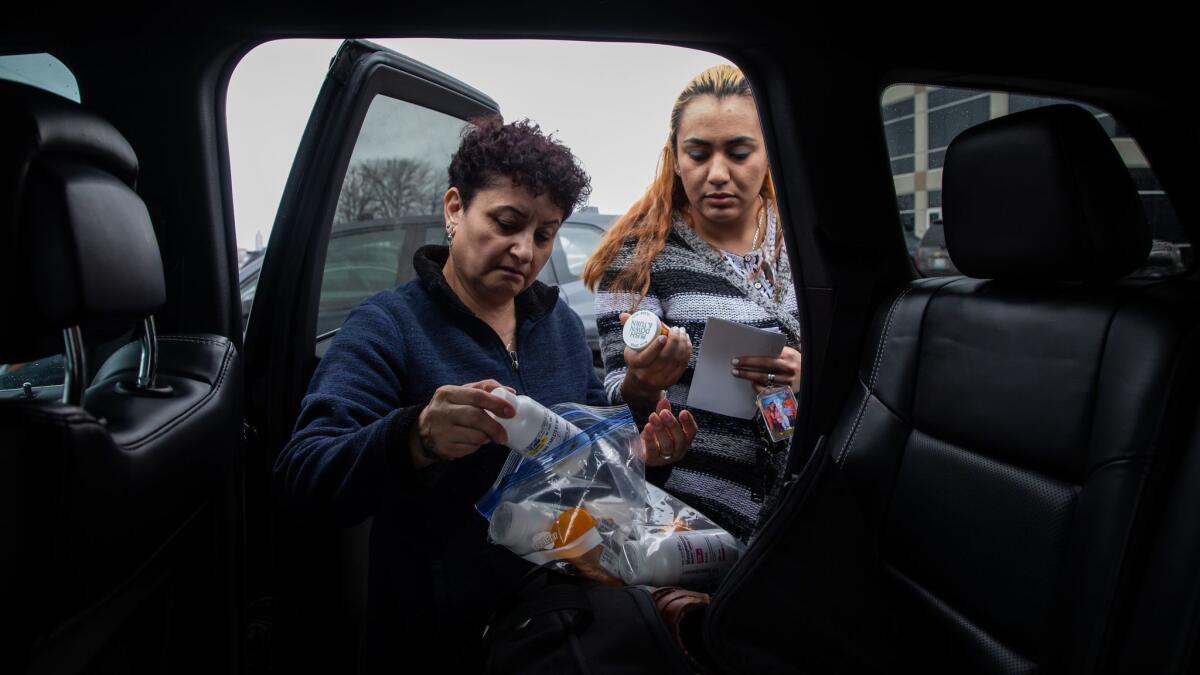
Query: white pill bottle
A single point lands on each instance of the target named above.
(689, 559)
(535, 428)
(522, 527)
(642, 328)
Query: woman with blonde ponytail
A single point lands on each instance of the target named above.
(703, 241)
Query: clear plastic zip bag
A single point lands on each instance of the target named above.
(581, 504)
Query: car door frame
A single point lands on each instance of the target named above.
(280, 341)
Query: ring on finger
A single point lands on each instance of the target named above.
(770, 379)
(665, 457)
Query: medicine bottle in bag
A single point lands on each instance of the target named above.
(682, 558)
(534, 428)
(522, 527)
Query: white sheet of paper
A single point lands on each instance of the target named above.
(714, 388)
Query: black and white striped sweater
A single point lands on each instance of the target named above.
(689, 282)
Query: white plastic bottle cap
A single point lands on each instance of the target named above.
(516, 526)
(641, 329)
(507, 395)
(524, 428)
(501, 529)
(535, 429)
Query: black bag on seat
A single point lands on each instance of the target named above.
(558, 624)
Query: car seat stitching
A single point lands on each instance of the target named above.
(879, 351)
(227, 360)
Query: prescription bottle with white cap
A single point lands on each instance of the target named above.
(577, 539)
(522, 527)
(534, 428)
(642, 328)
(683, 558)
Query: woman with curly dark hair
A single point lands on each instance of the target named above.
(395, 421)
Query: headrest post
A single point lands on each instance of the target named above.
(75, 380)
(148, 363)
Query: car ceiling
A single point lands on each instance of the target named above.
(1119, 48)
(175, 61)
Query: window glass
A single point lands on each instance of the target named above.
(390, 204)
(45, 372)
(363, 259)
(578, 241)
(920, 121)
(42, 71)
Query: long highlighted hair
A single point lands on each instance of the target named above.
(648, 221)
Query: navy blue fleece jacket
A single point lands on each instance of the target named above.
(433, 577)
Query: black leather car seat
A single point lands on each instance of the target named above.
(114, 502)
(1012, 430)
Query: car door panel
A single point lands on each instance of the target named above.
(367, 89)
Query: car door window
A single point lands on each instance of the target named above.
(362, 260)
(919, 123)
(40, 70)
(435, 234)
(19, 380)
(390, 204)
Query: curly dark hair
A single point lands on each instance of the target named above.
(491, 149)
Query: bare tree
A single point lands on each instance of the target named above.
(388, 188)
(354, 202)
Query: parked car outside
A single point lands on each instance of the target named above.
(368, 256)
(932, 258)
(1166, 259)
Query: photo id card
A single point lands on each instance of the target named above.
(778, 409)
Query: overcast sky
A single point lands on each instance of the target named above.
(608, 102)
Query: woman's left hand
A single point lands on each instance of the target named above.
(666, 438)
(786, 368)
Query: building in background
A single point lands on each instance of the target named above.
(920, 121)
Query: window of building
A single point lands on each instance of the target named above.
(920, 121)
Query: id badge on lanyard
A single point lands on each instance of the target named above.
(777, 412)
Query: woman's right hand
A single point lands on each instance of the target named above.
(454, 423)
(655, 368)
(666, 438)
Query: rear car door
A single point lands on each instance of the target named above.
(365, 191)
